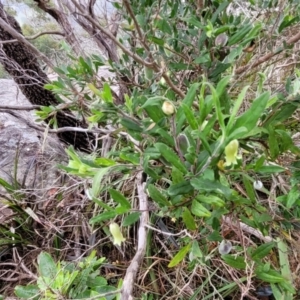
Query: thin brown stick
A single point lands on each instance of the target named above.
(137, 27)
(268, 56)
(152, 65)
(22, 40)
(13, 107)
(33, 37)
(246, 228)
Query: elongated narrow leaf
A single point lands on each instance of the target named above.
(118, 197)
(273, 143)
(103, 217)
(180, 256)
(284, 259)
(236, 107)
(157, 196)
(234, 261)
(211, 199)
(222, 85)
(166, 137)
(270, 276)
(292, 197)
(188, 100)
(281, 113)
(131, 125)
(171, 157)
(270, 169)
(251, 116)
(199, 210)
(190, 116)
(155, 113)
(97, 180)
(27, 292)
(277, 292)
(153, 101)
(249, 188)
(201, 184)
(106, 94)
(188, 219)
(262, 251)
(47, 266)
(180, 188)
(131, 219)
(217, 104)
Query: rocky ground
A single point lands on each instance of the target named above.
(27, 156)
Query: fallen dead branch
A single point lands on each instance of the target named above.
(244, 227)
(130, 277)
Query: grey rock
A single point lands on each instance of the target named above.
(36, 155)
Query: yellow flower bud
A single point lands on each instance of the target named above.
(116, 233)
(231, 153)
(168, 108)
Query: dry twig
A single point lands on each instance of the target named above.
(130, 277)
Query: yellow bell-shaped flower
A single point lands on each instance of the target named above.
(231, 153)
(116, 233)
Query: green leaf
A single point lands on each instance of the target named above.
(287, 21)
(118, 197)
(154, 101)
(251, 116)
(131, 219)
(164, 26)
(106, 94)
(190, 116)
(249, 188)
(96, 186)
(273, 143)
(180, 256)
(270, 276)
(188, 219)
(193, 21)
(220, 68)
(9, 188)
(210, 186)
(234, 261)
(188, 101)
(133, 158)
(47, 266)
(236, 107)
(176, 175)
(155, 113)
(292, 197)
(211, 199)
(269, 169)
(280, 114)
(199, 210)
(262, 251)
(196, 251)
(166, 137)
(131, 125)
(284, 261)
(222, 7)
(157, 196)
(277, 292)
(103, 217)
(104, 162)
(239, 35)
(27, 292)
(171, 157)
(202, 59)
(157, 40)
(222, 85)
(180, 188)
